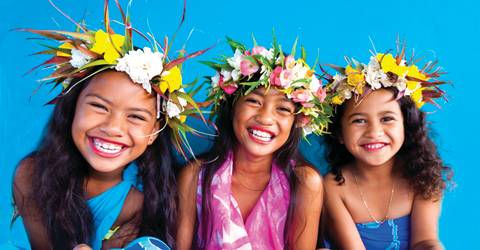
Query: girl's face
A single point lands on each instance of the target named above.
(113, 120)
(372, 130)
(262, 121)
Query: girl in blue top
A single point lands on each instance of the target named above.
(102, 175)
(386, 180)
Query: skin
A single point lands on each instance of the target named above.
(273, 113)
(376, 121)
(112, 108)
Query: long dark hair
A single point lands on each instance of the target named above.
(285, 157)
(59, 171)
(419, 160)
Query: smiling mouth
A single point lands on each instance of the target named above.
(105, 148)
(260, 135)
(374, 146)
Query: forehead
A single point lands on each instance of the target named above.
(271, 93)
(377, 101)
(117, 87)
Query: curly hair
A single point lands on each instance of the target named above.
(59, 171)
(420, 162)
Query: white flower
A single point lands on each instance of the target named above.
(308, 129)
(314, 84)
(227, 75)
(141, 66)
(299, 71)
(337, 80)
(235, 60)
(374, 75)
(235, 74)
(79, 58)
(172, 109)
(215, 79)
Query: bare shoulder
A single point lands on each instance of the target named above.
(132, 206)
(22, 183)
(309, 177)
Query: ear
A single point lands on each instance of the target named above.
(154, 134)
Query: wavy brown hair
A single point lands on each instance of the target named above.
(420, 162)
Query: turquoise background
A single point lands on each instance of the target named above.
(447, 30)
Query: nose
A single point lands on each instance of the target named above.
(265, 115)
(375, 130)
(113, 126)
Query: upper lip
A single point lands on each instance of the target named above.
(262, 129)
(109, 141)
(376, 142)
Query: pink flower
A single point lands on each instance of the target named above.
(248, 67)
(228, 88)
(275, 76)
(303, 121)
(289, 62)
(321, 94)
(286, 78)
(301, 95)
(259, 50)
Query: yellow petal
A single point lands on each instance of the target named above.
(389, 64)
(337, 100)
(183, 118)
(415, 73)
(171, 80)
(64, 46)
(354, 77)
(108, 48)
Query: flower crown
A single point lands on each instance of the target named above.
(385, 71)
(248, 70)
(84, 53)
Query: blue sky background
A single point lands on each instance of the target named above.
(446, 30)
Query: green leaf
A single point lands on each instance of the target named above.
(236, 45)
(294, 47)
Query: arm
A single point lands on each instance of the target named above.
(128, 221)
(27, 207)
(308, 206)
(187, 210)
(424, 224)
(340, 224)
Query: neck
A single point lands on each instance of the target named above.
(375, 173)
(249, 164)
(98, 182)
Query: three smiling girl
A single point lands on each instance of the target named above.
(103, 174)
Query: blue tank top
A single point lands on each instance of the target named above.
(391, 234)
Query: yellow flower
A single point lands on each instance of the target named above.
(109, 48)
(354, 77)
(183, 118)
(417, 97)
(171, 80)
(64, 46)
(415, 73)
(337, 100)
(389, 64)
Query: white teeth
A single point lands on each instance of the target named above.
(106, 147)
(374, 146)
(261, 135)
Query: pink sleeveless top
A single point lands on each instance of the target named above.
(264, 227)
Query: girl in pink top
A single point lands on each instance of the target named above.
(252, 190)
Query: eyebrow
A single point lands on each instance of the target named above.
(365, 114)
(110, 103)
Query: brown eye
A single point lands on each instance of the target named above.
(137, 117)
(387, 119)
(359, 121)
(98, 106)
(253, 101)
